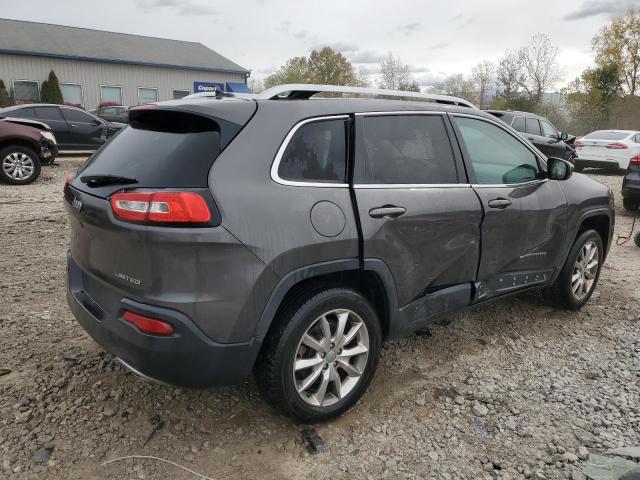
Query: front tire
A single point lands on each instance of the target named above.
(579, 276)
(19, 165)
(321, 353)
(630, 205)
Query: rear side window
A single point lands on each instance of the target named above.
(518, 124)
(48, 113)
(160, 150)
(317, 152)
(533, 126)
(406, 149)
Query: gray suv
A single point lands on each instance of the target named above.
(289, 236)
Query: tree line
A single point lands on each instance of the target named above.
(605, 95)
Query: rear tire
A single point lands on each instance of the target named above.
(579, 276)
(19, 165)
(307, 369)
(630, 205)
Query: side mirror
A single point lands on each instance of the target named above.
(559, 169)
(564, 136)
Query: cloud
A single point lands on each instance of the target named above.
(408, 28)
(183, 7)
(365, 56)
(592, 8)
(439, 46)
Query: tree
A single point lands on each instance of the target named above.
(394, 75)
(482, 76)
(50, 90)
(540, 66)
(619, 43)
(528, 72)
(457, 85)
(5, 98)
(591, 96)
(324, 66)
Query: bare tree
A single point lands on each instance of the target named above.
(394, 75)
(482, 76)
(529, 70)
(457, 85)
(540, 66)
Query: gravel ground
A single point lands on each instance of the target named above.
(511, 389)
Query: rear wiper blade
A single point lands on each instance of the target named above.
(101, 180)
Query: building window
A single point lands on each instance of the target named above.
(147, 95)
(72, 94)
(111, 95)
(26, 90)
(178, 94)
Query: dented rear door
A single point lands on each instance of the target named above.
(417, 212)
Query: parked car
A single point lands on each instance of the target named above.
(290, 237)
(631, 185)
(74, 128)
(539, 131)
(611, 149)
(23, 149)
(113, 113)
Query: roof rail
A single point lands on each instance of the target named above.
(303, 91)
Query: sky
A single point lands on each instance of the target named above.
(435, 38)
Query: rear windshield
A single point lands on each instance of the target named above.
(605, 135)
(158, 151)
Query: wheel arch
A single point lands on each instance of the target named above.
(373, 280)
(21, 142)
(601, 222)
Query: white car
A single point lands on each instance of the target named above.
(607, 149)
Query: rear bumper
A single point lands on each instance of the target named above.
(585, 162)
(187, 358)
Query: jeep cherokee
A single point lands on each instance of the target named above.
(289, 236)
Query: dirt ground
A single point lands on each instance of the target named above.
(511, 389)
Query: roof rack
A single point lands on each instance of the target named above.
(304, 91)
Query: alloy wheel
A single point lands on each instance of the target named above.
(18, 166)
(585, 270)
(331, 357)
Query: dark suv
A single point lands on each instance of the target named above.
(290, 236)
(539, 131)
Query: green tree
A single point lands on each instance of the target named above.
(591, 96)
(5, 98)
(324, 66)
(618, 43)
(50, 90)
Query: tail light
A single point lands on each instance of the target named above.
(67, 182)
(149, 325)
(635, 161)
(617, 146)
(578, 144)
(161, 207)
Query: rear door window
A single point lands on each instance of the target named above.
(533, 126)
(317, 152)
(406, 149)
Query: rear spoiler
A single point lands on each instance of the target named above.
(27, 123)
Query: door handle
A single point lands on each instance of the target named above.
(387, 211)
(73, 125)
(499, 203)
(531, 139)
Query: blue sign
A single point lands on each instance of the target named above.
(201, 87)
